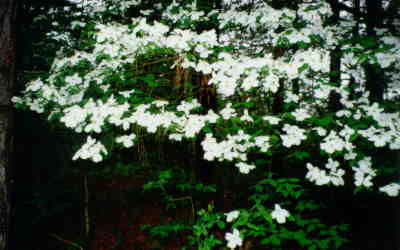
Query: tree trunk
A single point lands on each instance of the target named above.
(7, 78)
(375, 83)
(335, 63)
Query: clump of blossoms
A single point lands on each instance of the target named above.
(102, 89)
(233, 239)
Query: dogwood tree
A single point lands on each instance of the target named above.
(261, 84)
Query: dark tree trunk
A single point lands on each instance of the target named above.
(7, 78)
(335, 63)
(375, 83)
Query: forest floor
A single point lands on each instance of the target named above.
(117, 210)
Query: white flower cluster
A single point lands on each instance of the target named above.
(379, 137)
(186, 107)
(233, 239)
(294, 135)
(272, 120)
(316, 175)
(262, 142)
(333, 143)
(92, 150)
(92, 116)
(280, 214)
(234, 147)
(364, 173)
(179, 14)
(245, 168)
(34, 85)
(301, 114)
(335, 173)
(126, 140)
(388, 131)
(262, 17)
(322, 177)
(238, 76)
(228, 112)
(231, 216)
(391, 189)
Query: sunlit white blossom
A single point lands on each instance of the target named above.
(126, 140)
(92, 150)
(391, 189)
(280, 214)
(316, 175)
(364, 173)
(233, 239)
(231, 216)
(294, 135)
(245, 168)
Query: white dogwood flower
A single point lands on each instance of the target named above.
(126, 140)
(391, 189)
(233, 239)
(280, 214)
(232, 215)
(244, 168)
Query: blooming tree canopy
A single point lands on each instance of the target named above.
(288, 82)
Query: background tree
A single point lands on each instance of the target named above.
(39, 193)
(8, 12)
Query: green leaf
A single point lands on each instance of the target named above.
(300, 155)
(324, 122)
(150, 80)
(165, 174)
(303, 67)
(221, 224)
(368, 42)
(275, 240)
(354, 137)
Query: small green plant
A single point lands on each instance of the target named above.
(204, 230)
(279, 228)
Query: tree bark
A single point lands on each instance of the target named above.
(375, 83)
(7, 77)
(335, 62)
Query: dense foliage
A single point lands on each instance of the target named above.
(281, 94)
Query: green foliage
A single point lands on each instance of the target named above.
(202, 236)
(302, 231)
(165, 230)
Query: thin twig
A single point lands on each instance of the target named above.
(32, 71)
(182, 198)
(141, 70)
(68, 242)
(86, 205)
(186, 198)
(160, 60)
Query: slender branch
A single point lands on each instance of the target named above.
(86, 206)
(68, 242)
(160, 60)
(186, 198)
(181, 198)
(164, 59)
(32, 71)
